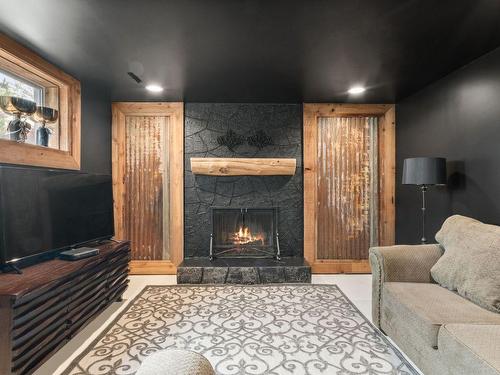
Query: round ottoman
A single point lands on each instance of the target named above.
(175, 362)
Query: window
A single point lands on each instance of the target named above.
(39, 110)
(11, 85)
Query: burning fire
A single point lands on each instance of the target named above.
(244, 236)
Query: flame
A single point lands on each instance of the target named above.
(244, 236)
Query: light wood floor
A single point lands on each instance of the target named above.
(356, 287)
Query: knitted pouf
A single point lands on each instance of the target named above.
(175, 362)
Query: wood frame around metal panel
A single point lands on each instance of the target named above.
(25, 63)
(387, 179)
(176, 178)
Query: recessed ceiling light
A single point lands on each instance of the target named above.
(154, 88)
(356, 90)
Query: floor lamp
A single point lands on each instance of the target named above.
(424, 172)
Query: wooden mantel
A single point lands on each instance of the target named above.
(243, 166)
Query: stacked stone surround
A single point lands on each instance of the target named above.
(243, 271)
(204, 123)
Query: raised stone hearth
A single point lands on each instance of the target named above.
(243, 271)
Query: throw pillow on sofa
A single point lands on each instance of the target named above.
(470, 264)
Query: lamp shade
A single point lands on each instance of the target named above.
(424, 171)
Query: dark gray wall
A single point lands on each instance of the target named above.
(203, 124)
(458, 118)
(96, 129)
(95, 116)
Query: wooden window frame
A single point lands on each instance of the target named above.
(176, 179)
(387, 179)
(27, 64)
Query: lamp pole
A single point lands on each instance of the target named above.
(423, 188)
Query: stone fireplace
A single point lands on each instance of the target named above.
(246, 222)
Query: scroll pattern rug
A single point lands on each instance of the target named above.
(270, 329)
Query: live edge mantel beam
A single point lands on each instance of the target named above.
(243, 166)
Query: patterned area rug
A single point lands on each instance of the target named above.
(262, 329)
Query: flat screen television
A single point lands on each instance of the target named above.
(45, 211)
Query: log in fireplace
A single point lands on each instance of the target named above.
(244, 233)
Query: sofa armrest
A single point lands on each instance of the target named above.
(400, 263)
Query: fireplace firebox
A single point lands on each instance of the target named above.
(244, 233)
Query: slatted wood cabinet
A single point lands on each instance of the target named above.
(50, 302)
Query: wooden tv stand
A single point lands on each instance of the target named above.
(45, 306)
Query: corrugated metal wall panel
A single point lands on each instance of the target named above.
(146, 187)
(347, 187)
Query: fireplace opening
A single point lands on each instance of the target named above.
(244, 233)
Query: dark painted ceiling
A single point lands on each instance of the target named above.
(264, 51)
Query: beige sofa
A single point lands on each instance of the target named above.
(440, 331)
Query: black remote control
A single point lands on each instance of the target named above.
(78, 253)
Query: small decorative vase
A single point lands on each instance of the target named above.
(14, 129)
(25, 129)
(45, 115)
(18, 107)
(42, 136)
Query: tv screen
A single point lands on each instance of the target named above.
(44, 210)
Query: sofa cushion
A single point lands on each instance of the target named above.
(471, 348)
(420, 309)
(471, 260)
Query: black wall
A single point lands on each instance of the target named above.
(458, 118)
(95, 129)
(203, 124)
